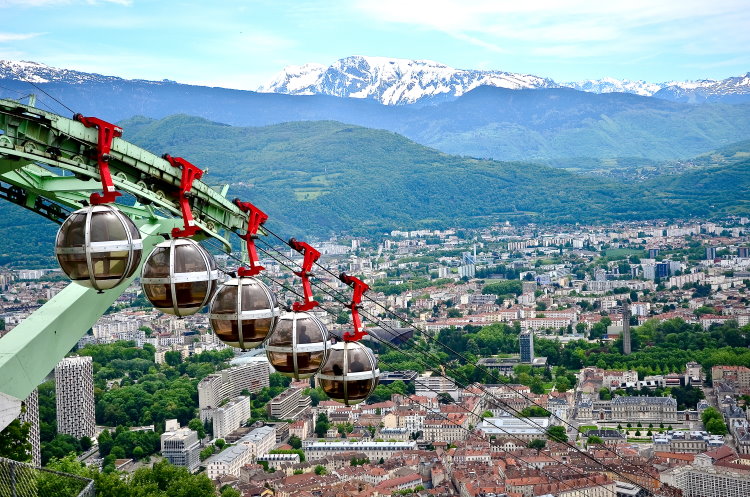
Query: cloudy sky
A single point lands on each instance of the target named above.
(243, 43)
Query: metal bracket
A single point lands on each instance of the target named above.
(255, 219)
(107, 133)
(310, 255)
(190, 173)
(360, 287)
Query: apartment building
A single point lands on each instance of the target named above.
(229, 461)
(430, 386)
(181, 448)
(260, 440)
(228, 417)
(74, 389)
(231, 382)
(373, 450)
(289, 404)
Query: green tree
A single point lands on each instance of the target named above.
(342, 317)
(173, 358)
(106, 442)
(709, 414)
(14, 441)
(207, 452)
(228, 491)
(534, 412)
(322, 425)
(716, 427)
(138, 452)
(320, 470)
(537, 386)
(557, 433)
(562, 384)
(295, 442)
(445, 398)
(197, 425)
(537, 444)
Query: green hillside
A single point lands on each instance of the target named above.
(558, 124)
(324, 177)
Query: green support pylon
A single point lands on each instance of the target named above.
(32, 349)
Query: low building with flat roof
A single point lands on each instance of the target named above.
(373, 450)
(522, 428)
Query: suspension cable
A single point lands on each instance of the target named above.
(580, 472)
(427, 366)
(488, 372)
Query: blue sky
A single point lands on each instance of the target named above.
(243, 43)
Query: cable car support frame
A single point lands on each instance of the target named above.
(51, 165)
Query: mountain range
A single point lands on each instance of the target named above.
(392, 81)
(553, 125)
(402, 81)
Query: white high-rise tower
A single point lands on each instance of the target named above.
(31, 416)
(74, 387)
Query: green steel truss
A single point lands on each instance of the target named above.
(47, 165)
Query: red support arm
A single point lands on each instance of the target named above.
(255, 219)
(107, 133)
(310, 255)
(190, 173)
(360, 287)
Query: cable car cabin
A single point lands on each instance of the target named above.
(298, 345)
(350, 374)
(179, 277)
(98, 247)
(243, 312)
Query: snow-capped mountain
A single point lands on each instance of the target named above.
(729, 90)
(612, 85)
(403, 81)
(35, 72)
(393, 81)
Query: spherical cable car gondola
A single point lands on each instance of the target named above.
(243, 312)
(179, 277)
(298, 345)
(98, 247)
(350, 374)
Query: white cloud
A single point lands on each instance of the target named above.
(6, 37)
(52, 3)
(589, 26)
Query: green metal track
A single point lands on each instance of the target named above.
(47, 165)
(32, 349)
(47, 156)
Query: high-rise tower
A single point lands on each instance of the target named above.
(526, 340)
(31, 416)
(626, 327)
(74, 386)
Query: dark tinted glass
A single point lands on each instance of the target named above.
(106, 226)
(191, 294)
(74, 265)
(157, 265)
(188, 259)
(72, 232)
(159, 294)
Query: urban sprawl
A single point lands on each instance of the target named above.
(515, 361)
